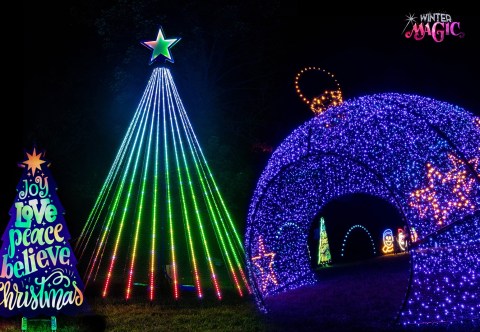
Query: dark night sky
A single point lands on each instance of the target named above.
(89, 72)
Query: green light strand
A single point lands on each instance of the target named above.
(210, 176)
(213, 214)
(155, 198)
(108, 184)
(184, 206)
(122, 221)
(219, 211)
(106, 231)
(142, 198)
(217, 190)
(169, 198)
(120, 187)
(194, 199)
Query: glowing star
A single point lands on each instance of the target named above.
(477, 122)
(33, 161)
(161, 46)
(262, 260)
(387, 241)
(445, 192)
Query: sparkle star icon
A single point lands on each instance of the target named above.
(410, 20)
(33, 161)
(264, 262)
(161, 46)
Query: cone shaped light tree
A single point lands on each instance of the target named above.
(160, 224)
(324, 255)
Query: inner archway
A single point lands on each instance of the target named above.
(353, 224)
(358, 244)
(359, 279)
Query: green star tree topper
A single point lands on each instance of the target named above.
(161, 47)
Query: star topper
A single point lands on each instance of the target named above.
(33, 161)
(161, 46)
(264, 261)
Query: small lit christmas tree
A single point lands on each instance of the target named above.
(38, 273)
(324, 256)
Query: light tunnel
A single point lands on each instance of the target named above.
(419, 154)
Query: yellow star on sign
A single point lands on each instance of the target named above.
(33, 161)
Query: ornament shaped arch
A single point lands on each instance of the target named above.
(378, 145)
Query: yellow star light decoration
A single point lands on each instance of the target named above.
(447, 192)
(34, 161)
(264, 262)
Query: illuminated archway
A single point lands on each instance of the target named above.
(360, 227)
(419, 154)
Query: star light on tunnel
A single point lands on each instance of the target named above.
(264, 262)
(445, 192)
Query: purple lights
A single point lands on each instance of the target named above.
(379, 145)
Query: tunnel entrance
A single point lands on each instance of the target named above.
(358, 286)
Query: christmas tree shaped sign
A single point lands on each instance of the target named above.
(38, 274)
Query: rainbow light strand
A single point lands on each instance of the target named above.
(160, 217)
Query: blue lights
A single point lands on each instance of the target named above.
(390, 146)
(359, 227)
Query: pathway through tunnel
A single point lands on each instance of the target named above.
(359, 287)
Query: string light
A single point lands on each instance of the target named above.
(354, 227)
(160, 214)
(445, 192)
(380, 148)
(328, 98)
(413, 235)
(401, 239)
(387, 239)
(264, 262)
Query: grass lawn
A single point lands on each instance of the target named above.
(187, 315)
(362, 296)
